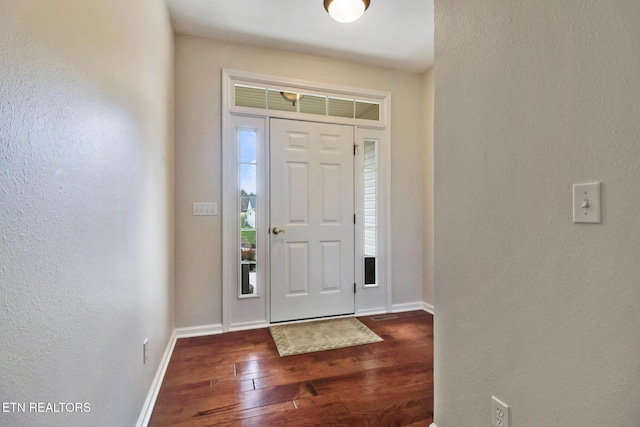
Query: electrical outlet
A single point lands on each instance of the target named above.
(145, 351)
(499, 413)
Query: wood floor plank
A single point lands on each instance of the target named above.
(238, 378)
(386, 377)
(423, 423)
(274, 372)
(392, 413)
(193, 408)
(323, 370)
(369, 395)
(204, 389)
(296, 416)
(229, 418)
(396, 414)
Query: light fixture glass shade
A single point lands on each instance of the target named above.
(292, 97)
(346, 11)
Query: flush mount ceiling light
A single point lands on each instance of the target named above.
(346, 11)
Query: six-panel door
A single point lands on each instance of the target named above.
(311, 188)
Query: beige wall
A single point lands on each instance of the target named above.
(530, 98)
(86, 206)
(198, 169)
(428, 269)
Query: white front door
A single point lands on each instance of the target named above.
(312, 215)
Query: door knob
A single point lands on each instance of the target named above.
(277, 230)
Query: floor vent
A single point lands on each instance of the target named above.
(384, 317)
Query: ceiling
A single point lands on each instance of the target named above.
(392, 33)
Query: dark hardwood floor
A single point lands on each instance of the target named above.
(238, 378)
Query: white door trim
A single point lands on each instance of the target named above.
(244, 311)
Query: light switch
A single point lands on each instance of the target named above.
(209, 209)
(586, 203)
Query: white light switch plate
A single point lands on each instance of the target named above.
(586, 203)
(205, 209)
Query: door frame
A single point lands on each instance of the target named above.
(240, 313)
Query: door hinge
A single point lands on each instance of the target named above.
(355, 147)
(354, 218)
(354, 288)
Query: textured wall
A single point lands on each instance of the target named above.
(530, 98)
(198, 165)
(86, 205)
(428, 268)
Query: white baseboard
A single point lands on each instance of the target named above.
(149, 403)
(411, 306)
(427, 307)
(199, 331)
(147, 408)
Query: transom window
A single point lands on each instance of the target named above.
(303, 102)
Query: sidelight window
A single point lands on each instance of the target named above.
(249, 205)
(370, 211)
